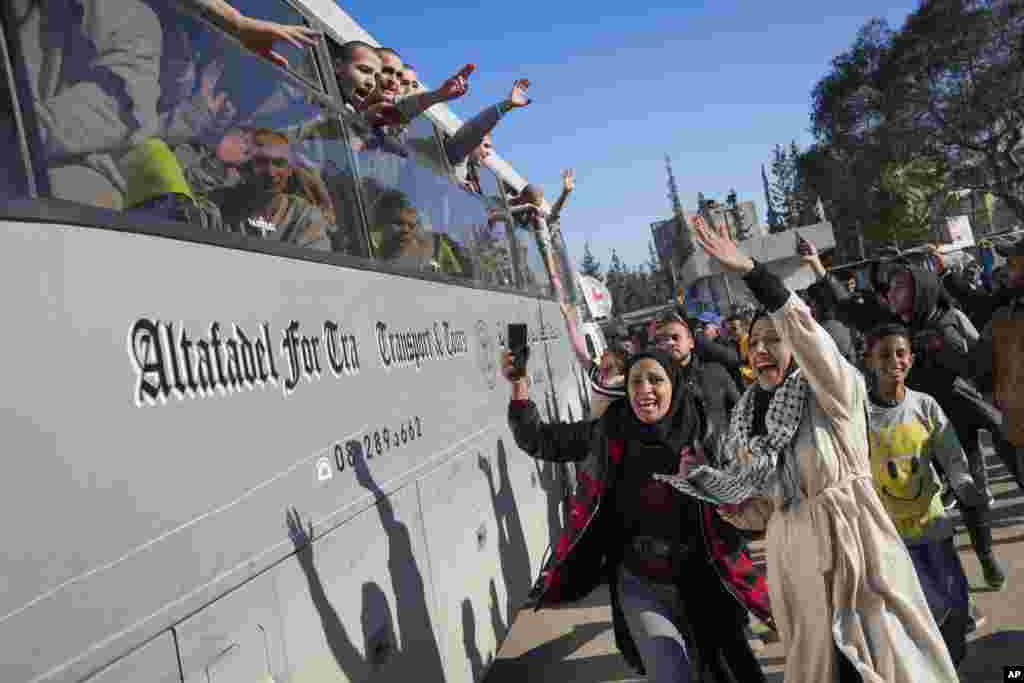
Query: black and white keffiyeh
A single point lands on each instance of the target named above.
(749, 465)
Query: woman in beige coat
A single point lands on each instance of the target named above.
(844, 593)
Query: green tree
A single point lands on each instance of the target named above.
(590, 266)
(615, 280)
(912, 192)
(790, 192)
(945, 88)
(658, 278)
(957, 77)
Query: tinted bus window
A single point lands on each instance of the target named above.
(530, 261)
(406, 194)
(300, 60)
(226, 141)
(492, 248)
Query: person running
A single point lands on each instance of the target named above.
(915, 298)
(681, 580)
(908, 432)
(844, 593)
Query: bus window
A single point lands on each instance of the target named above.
(405, 190)
(227, 142)
(488, 183)
(491, 247)
(13, 181)
(466, 225)
(301, 61)
(532, 273)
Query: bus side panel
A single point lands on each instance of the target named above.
(132, 507)
(360, 604)
(154, 662)
(478, 523)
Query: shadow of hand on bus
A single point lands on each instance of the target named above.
(420, 656)
(513, 551)
(345, 653)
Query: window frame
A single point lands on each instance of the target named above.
(39, 182)
(195, 10)
(7, 73)
(43, 209)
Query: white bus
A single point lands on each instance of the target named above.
(208, 353)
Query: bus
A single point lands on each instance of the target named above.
(245, 441)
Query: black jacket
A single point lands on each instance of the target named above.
(716, 388)
(978, 304)
(583, 560)
(826, 304)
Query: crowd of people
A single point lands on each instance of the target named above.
(841, 424)
(141, 107)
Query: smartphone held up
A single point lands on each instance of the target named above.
(519, 347)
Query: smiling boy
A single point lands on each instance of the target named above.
(907, 431)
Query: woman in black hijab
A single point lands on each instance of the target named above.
(680, 579)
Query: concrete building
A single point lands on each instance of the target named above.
(708, 288)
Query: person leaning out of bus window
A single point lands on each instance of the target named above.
(383, 105)
(531, 198)
(261, 204)
(471, 145)
(410, 81)
(400, 238)
(356, 65)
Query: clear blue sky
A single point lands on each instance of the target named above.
(615, 89)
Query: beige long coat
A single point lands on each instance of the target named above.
(838, 573)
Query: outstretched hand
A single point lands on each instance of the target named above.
(301, 538)
(456, 86)
(485, 466)
(507, 369)
(259, 36)
(518, 98)
(718, 245)
(809, 255)
(808, 252)
(568, 180)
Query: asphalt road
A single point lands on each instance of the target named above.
(576, 643)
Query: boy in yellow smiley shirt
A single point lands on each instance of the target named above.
(907, 431)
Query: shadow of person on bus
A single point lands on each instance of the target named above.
(512, 549)
(473, 654)
(420, 656)
(345, 653)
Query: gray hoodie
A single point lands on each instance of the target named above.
(93, 68)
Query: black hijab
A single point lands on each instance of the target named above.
(682, 424)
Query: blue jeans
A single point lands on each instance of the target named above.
(654, 614)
